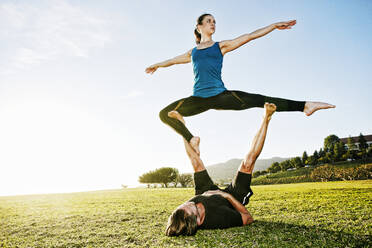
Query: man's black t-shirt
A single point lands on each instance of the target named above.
(219, 213)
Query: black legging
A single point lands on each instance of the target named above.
(227, 100)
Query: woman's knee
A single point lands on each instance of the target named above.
(163, 115)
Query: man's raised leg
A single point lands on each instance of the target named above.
(248, 163)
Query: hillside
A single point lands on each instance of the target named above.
(226, 171)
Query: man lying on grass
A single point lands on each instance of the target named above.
(212, 207)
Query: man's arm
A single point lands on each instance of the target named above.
(246, 216)
(230, 45)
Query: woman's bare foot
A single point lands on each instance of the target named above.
(311, 107)
(194, 142)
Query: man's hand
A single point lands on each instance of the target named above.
(285, 25)
(216, 192)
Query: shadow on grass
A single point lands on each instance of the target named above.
(274, 234)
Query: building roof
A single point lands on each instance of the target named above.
(368, 138)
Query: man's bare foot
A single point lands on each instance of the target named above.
(311, 107)
(270, 109)
(174, 114)
(194, 142)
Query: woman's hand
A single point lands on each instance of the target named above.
(285, 25)
(152, 68)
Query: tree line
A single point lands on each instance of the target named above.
(166, 176)
(334, 150)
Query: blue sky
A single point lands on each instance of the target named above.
(77, 111)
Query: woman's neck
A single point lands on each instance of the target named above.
(205, 39)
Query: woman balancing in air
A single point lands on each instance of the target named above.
(209, 90)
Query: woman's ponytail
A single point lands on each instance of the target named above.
(199, 21)
(197, 36)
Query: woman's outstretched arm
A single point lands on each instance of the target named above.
(230, 45)
(181, 59)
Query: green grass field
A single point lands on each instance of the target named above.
(332, 214)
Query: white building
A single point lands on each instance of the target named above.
(368, 139)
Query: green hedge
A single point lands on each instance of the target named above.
(333, 173)
(265, 180)
(319, 174)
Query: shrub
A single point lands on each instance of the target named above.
(281, 180)
(324, 173)
(333, 173)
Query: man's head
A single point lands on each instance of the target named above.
(183, 221)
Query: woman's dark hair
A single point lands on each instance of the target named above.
(179, 223)
(199, 21)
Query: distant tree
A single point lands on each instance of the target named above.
(339, 151)
(329, 142)
(256, 174)
(315, 157)
(259, 173)
(325, 159)
(310, 160)
(185, 179)
(351, 148)
(351, 143)
(304, 158)
(274, 167)
(166, 175)
(285, 165)
(321, 153)
(369, 153)
(363, 146)
(296, 162)
(162, 176)
(362, 142)
(328, 158)
(147, 178)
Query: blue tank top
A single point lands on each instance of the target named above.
(207, 65)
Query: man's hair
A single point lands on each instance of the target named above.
(179, 223)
